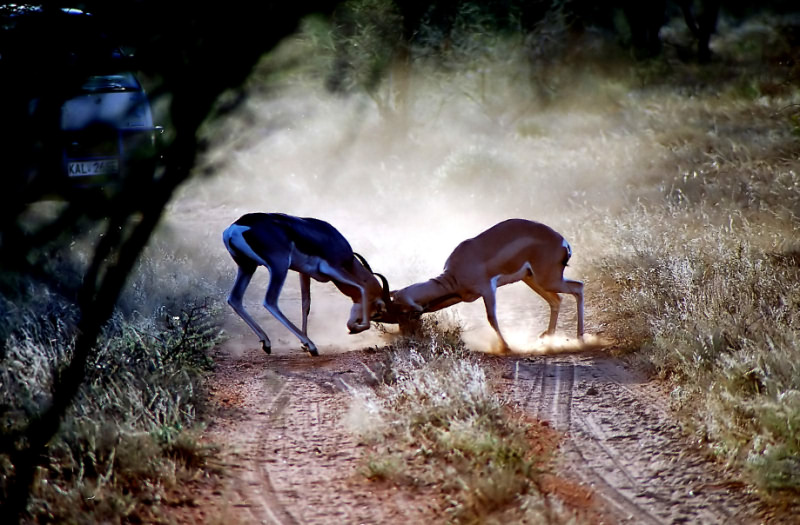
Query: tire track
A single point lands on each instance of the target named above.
(623, 443)
(556, 382)
(294, 460)
(253, 485)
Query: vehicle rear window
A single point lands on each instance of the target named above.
(117, 82)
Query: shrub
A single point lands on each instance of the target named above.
(436, 422)
(128, 436)
(705, 279)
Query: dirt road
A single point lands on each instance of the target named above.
(622, 441)
(291, 459)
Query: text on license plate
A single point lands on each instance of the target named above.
(93, 167)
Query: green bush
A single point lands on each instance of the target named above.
(129, 435)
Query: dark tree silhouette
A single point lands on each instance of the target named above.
(194, 53)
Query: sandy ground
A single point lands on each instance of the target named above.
(289, 457)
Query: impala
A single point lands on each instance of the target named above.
(311, 247)
(513, 250)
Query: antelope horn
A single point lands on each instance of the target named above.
(386, 296)
(363, 261)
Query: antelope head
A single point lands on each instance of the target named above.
(378, 300)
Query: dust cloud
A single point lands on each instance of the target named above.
(461, 155)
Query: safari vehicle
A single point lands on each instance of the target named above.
(80, 115)
(107, 131)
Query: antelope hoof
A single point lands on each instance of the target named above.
(311, 349)
(265, 346)
(357, 329)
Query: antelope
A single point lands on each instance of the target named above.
(513, 250)
(314, 249)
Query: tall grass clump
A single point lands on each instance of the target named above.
(704, 280)
(435, 423)
(129, 438)
(715, 311)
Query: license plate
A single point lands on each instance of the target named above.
(87, 168)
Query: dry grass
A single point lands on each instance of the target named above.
(714, 308)
(435, 423)
(130, 436)
(701, 279)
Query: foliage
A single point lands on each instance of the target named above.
(366, 35)
(174, 50)
(676, 183)
(704, 281)
(436, 422)
(130, 435)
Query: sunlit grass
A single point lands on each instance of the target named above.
(715, 311)
(678, 186)
(435, 423)
(130, 438)
(702, 276)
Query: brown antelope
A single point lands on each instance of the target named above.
(513, 250)
(311, 247)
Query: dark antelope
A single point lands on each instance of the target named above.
(311, 247)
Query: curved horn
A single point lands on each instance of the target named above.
(363, 261)
(386, 296)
